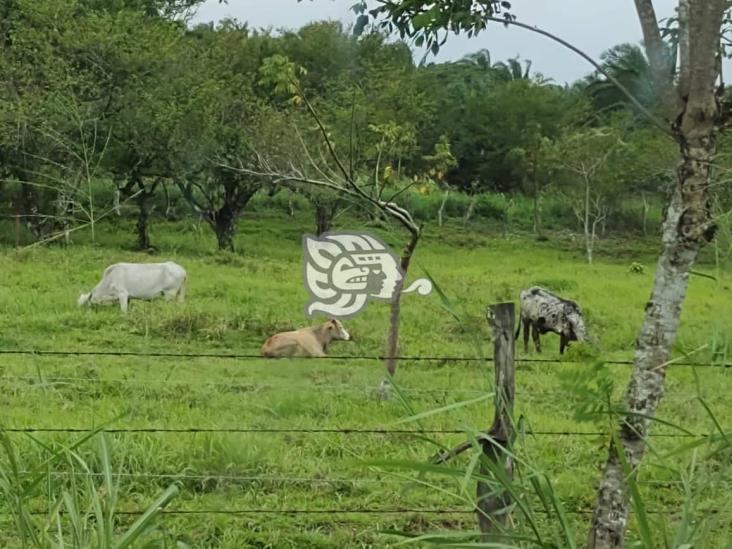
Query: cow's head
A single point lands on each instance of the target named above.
(336, 330)
(577, 330)
(84, 299)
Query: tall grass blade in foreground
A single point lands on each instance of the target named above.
(79, 514)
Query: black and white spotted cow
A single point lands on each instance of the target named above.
(542, 312)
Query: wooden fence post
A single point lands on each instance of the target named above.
(493, 502)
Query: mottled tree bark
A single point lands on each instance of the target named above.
(687, 228)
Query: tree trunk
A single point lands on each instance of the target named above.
(224, 225)
(693, 106)
(537, 196)
(442, 207)
(589, 239)
(686, 229)
(64, 215)
(645, 214)
(29, 202)
(323, 218)
(115, 202)
(142, 227)
(392, 343)
(166, 196)
(471, 207)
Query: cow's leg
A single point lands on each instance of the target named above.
(317, 352)
(527, 327)
(181, 295)
(123, 300)
(535, 337)
(311, 347)
(563, 341)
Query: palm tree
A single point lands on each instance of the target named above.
(628, 64)
(511, 69)
(503, 71)
(480, 59)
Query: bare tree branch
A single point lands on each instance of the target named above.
(64, 232)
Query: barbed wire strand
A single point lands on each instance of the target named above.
(313, 431)
(248, 356)
(221, 478)
(285, 479)
(347, 511)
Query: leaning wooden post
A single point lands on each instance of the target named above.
(493, 501)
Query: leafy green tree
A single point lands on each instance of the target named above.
(51, 113)
(395, 142)
(142, 107)
(366, 91)
(645, 169)
(585, 155)
(228, 115)
(439, 162)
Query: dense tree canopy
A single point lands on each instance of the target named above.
(125, 98)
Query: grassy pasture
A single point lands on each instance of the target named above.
(236, 301)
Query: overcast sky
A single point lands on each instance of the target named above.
(591, 25)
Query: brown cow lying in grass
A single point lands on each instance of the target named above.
(311, 341)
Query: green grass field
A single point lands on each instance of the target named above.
(236, 301)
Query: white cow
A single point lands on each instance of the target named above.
(124, 281)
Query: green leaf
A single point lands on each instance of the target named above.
(443, 409)
(142, 524)
(422, 20)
